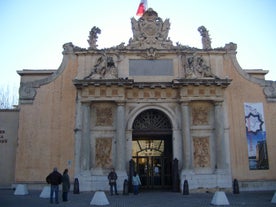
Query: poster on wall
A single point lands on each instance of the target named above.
(256, 136)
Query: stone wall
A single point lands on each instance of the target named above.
(241, 90)
(46, 129)
(8, 143)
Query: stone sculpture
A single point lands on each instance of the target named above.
(206, 40)
(93, 37)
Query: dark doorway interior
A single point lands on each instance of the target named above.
(152, 149)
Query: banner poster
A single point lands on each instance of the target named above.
(256, 136)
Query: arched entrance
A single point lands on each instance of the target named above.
(152, 149)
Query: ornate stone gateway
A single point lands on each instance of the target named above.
(152, 102)
(152, 149)
(148, 100)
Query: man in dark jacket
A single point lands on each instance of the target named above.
(54, 178)
(112, 178)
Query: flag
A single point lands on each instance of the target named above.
(142, 8)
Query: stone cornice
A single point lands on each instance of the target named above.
(174, 50)
(176, 83)
(203, 81)
(36, 72)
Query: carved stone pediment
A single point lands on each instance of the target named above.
(150, 31)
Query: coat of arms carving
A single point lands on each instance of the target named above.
(150, 31)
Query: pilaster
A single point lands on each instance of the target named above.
(85, 144)
(219, 136)
(78, 134)
(120, 137)
(187, 144)
(177, 147)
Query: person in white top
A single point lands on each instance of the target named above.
(136, 182)
(156, 170)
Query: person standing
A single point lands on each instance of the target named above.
(112, 178)
(65, 185)
(55, 179)
(136, 182)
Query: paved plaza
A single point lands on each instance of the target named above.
(144, 199)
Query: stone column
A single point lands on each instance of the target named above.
(219, 135)
(177, 147)
(187, 143)
(78, 135)
(120, 137)
(85, 144)
(128, 146)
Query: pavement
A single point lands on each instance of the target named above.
(143, 199)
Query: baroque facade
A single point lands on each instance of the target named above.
(148, 101)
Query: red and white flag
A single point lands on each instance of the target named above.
(143, 6)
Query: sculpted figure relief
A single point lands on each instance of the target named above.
(200, 115)
(104, 68)
(103, 152)
(150, 31)
(195, 67)
(104, 116)
(201, 152)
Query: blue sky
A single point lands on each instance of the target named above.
(32, 32)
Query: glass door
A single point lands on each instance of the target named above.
(152, 163)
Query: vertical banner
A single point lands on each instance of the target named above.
(256, 136)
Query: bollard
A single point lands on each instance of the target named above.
(125, 191)
(185, 188)
(131, 172)
(236, 189)
(76, 186)
(175, 176)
